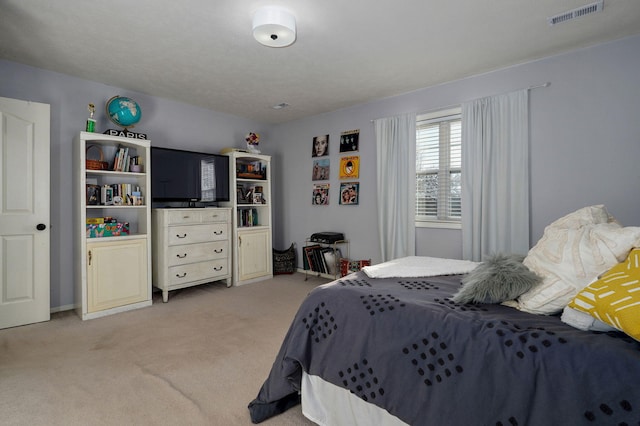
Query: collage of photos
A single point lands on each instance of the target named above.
(349, 168)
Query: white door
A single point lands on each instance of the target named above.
(24, 212)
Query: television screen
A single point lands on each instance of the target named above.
(178, 175)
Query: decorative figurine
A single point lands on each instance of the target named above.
(252, 139)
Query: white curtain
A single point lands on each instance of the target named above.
(396, 153)
(495, 175)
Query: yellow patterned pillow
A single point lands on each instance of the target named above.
(615, 297)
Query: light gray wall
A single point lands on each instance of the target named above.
(585, 143)
(585, 146)
(167, 124)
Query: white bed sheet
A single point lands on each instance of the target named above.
(419, 266)
(329, 405)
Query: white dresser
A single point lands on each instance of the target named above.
(190, 247)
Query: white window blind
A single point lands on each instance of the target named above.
(438, 166)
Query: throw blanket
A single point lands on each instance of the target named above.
(419, 266)
(404, 345)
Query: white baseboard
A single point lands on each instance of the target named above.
(62, 308)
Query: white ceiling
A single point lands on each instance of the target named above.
(347, 51)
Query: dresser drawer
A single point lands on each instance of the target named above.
(193, 253)
(184, 217)
(214, 215)
(198, 271)
(189, 234)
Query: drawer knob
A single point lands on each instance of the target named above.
(184, 274)
(181, 236)
(219, 268)
(217, 251)
(181, 256)
(217, 232)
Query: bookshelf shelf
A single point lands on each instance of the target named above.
(101, 207)
(113, 174)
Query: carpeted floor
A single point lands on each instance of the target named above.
(197, 360)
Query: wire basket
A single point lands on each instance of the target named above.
(96, 164)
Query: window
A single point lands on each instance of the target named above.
(438, 168)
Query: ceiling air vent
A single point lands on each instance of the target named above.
(576, 13)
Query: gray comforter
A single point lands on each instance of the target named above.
(403, 345)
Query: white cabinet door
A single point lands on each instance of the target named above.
(116, 274)
(254, 253)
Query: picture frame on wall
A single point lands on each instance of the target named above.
(350, 167)
(320, 194)
(320, 146)
(349, 193)
(321, 169)
(350, 141)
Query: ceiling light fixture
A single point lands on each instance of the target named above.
(274, 27)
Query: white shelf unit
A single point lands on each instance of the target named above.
(112, 274)
(251, 217)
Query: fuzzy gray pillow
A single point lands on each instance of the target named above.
(500, 277)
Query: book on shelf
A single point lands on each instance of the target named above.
(252, 170)
(123, 160)
(121, 194)
(330, 258)
(248, 217)
(319, 261)
(308, 260)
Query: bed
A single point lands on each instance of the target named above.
(386, 349)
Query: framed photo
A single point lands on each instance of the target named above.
(349, 141)
(350, 167)
(240, 195)
(320, 169)
(320, 194)
(106, 195)
(257, 198)
(320, 146)
(93, 195)
(349, 192)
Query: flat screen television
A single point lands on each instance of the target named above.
(178, 175)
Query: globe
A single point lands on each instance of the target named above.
(123, 112)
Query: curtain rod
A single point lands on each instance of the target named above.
(537, 86)
(547, 84)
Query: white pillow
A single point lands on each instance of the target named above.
(569, 259)
(585, 216)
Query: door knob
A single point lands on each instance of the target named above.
(41, 227)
